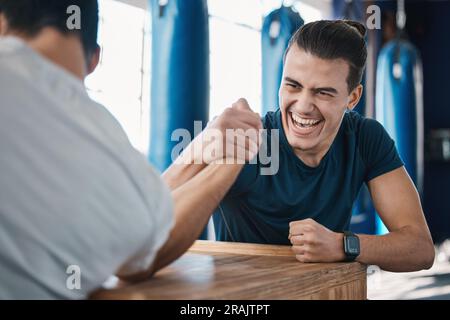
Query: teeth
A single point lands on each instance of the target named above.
(304, 122)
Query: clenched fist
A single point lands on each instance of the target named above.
(312, 242)
(235, 135)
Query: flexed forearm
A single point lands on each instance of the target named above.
(213, 144)
(403, 250)
(186, 166)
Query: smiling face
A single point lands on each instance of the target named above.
(313, 98)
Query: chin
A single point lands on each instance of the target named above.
(301, 144)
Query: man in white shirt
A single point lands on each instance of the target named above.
(74, 194)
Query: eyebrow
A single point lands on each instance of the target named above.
(327, 89)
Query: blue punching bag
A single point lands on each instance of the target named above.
(278, 28)
(399, 105)
(180, 73)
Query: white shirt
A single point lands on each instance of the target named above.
(73, 191)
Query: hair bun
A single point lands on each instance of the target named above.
(362, 30)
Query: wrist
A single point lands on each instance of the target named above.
(206, 151)
(340, 256)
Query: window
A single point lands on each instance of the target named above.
(121, 81)
(235, 54)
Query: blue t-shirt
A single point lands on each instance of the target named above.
(258, 208)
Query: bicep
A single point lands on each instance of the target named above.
(396, 200)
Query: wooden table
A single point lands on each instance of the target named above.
(222, 270)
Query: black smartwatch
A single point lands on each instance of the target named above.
(351, 246)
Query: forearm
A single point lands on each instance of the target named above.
(215, 143)
(404, 250)
(185, 167)
(194, 202)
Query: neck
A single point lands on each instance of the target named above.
(310, 158)
(65, 51)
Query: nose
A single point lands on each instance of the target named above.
(304, 103)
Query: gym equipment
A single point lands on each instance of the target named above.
(399, 102)
(180, 73)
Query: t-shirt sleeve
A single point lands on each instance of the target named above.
(162, 217)
(378, 150)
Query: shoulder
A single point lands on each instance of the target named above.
(374, 145)
(371, 138)
(365, 129)
(357, 123)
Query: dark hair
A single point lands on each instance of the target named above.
(31, 16)
(335, 39)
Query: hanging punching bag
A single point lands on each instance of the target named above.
(399, 105)
(278, 28)
(180, 73)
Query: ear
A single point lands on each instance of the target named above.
(95, 59)
(3, 24)
(354, 97)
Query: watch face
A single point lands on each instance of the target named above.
(352, 245)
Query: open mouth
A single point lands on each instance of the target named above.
(304, 125)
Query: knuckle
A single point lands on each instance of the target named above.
(309, 239)
(296, 249)
(242, 102)
(296, 240)
(306, 249)
(228, 112)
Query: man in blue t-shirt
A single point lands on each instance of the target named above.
(326, 152)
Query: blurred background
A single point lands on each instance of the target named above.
(166, 63)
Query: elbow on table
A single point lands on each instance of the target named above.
(423, 255)
(427, 256)
(137, 277)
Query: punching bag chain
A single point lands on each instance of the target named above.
(401, 14)
(162, 5)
